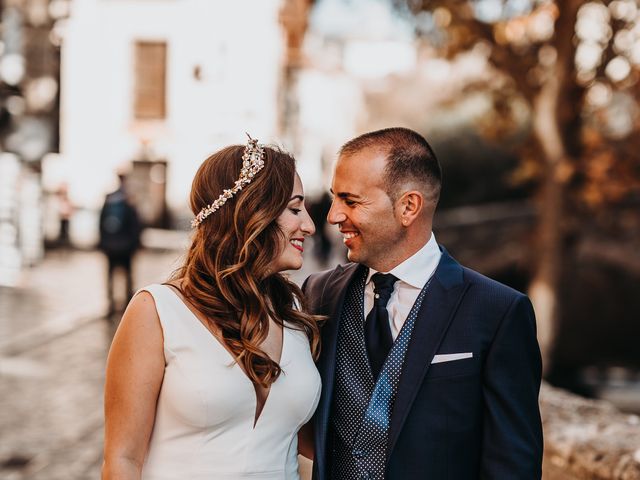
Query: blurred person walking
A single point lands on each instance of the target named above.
(322, 244)
(120, 230)
(429, 369)
(212, 375)
(65, 212)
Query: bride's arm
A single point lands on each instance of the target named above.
(305, 440)
(135, 369)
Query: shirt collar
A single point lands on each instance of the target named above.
(419, 267)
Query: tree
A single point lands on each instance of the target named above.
(575, 65)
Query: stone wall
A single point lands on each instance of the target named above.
(587, 439)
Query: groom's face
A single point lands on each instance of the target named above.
(364, 212)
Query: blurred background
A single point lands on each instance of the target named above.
(531, 106)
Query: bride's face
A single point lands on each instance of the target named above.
(296, 224)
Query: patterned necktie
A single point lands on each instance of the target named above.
(377, 330)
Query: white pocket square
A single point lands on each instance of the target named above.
(450, 357)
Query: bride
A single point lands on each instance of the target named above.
(211, 375)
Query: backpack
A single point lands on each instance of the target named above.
(119, 226)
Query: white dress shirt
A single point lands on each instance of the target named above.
(412, 275)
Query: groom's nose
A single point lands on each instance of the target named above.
(336, 214)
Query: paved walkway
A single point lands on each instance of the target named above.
(53, 346)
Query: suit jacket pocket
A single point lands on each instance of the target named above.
(454, 368)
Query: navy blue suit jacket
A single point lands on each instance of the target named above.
(465, 419)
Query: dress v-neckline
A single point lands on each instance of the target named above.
(219, 343)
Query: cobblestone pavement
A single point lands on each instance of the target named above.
(53, 345)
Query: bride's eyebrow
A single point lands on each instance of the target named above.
(297, 197)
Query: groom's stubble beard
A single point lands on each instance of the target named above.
(379, 246)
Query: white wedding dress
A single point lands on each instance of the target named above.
(204, 425)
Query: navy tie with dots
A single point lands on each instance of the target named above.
(377, 329)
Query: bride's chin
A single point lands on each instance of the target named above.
(297, 265)
(284, 266)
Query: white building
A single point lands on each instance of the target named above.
(185, 77)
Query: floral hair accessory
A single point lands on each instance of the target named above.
(252, 163)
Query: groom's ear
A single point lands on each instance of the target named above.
(411, 206)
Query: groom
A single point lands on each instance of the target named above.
(429, 370)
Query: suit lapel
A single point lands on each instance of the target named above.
(432, 322)
(333, 296)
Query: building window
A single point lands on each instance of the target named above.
(150, 80)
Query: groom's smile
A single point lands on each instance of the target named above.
(348, 236)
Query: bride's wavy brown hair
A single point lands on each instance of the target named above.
(226, 275)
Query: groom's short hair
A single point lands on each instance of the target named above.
(410, 160)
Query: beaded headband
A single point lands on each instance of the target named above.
(252, 163)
